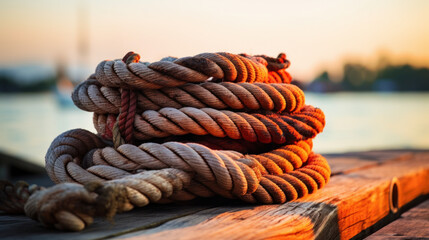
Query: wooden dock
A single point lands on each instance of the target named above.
(371, 194)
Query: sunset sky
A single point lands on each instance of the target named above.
(315, 35)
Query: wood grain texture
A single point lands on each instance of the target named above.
(349, 204)
(413, 224)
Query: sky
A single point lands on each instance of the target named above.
(315, 35)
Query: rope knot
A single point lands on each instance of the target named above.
(111, 198)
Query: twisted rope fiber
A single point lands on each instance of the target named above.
(125, 120)
(218, 124)
(254, 127)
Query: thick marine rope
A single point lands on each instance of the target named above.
(212, 124)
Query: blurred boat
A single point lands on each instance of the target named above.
(63, 95)
(63, 88)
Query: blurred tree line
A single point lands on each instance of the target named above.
(10, 85)
(358, 77)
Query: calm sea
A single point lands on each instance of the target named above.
(355, 122)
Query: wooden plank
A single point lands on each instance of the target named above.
(349, 204)
(413, 224)
(320, 213)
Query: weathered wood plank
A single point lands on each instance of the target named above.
(261, 222)
(311, 217)
(349, 204)
(413, 224)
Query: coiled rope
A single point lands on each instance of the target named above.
(212, 124)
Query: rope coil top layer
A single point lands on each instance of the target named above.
(212, 124)
(225, 66)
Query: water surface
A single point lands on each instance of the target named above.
(30, 122)
(365, 121)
